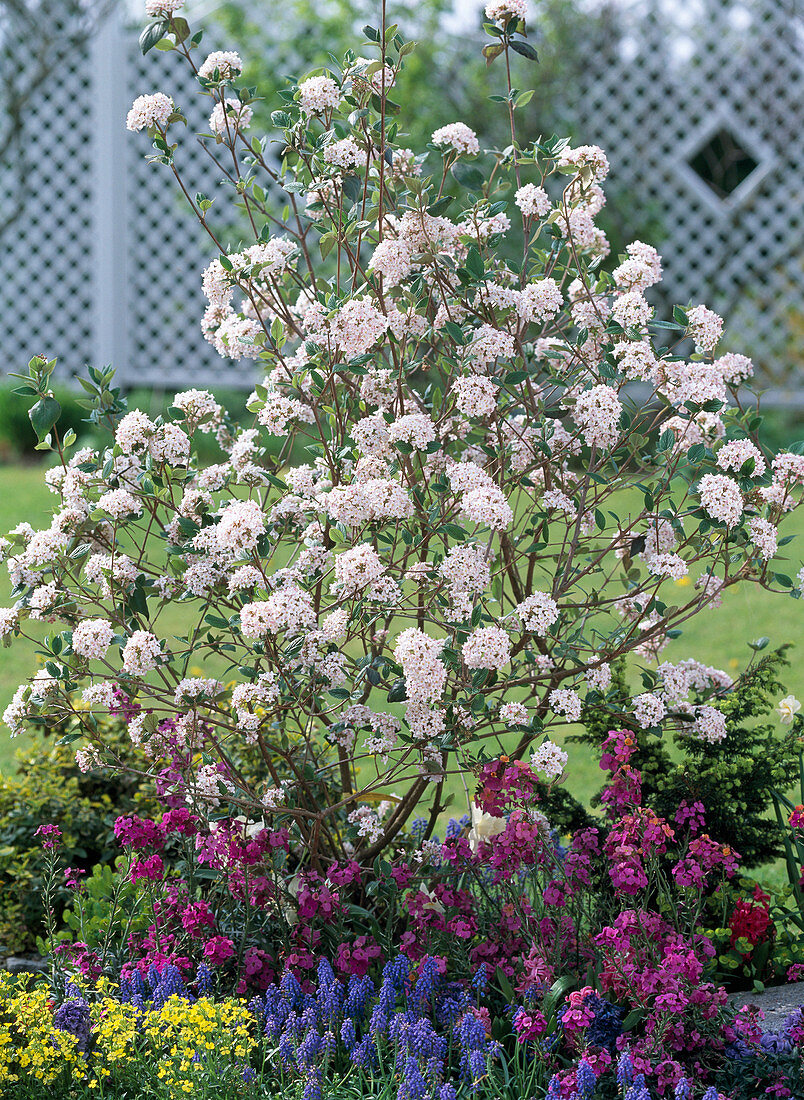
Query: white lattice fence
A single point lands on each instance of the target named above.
(46, 294)
(103, 261)
(700, 107)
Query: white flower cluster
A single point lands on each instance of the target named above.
(537, 613)
(229, 118)
(475, 396)
(550, 759)
(150, 110)
(500, 11)
(597, 413)
(367, 822)
(289, 608)
(487, 647)
(482, 500)
(141, 653)
(227, 63)
(721, 498)
(514, 714)
(318, 94)
(92, 638)
(425, 674)
(458, 137)
(566, 702)
(533, 201)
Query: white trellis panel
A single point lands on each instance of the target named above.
(103, 262)
(682, 72)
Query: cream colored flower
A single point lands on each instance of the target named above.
(788, 708)
(484, 827)
(432, 901)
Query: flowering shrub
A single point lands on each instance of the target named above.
(457, 539)
(474, 475)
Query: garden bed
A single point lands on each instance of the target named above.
(297, 818)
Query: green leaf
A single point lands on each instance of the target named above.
(468, 176)
(525, 49)
(455, 331)
(556, 992)
(152, 33)
(399, 691)
(181, 29)
(633, 1018)
(69, 738)
(44, 415)
(666, 440)
(453, 531)
(216, 620)
(491, 52)
(436, 209)
(505, 986)
(474, 263)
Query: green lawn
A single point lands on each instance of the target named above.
(717, 637)
(23, 496)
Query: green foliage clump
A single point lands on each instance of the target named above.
(49, 788)
(734, 778)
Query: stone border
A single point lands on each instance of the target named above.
(777, 1002)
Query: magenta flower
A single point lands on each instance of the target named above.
(51, 836)
(218, 950)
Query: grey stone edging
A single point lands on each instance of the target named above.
(777, 1002)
